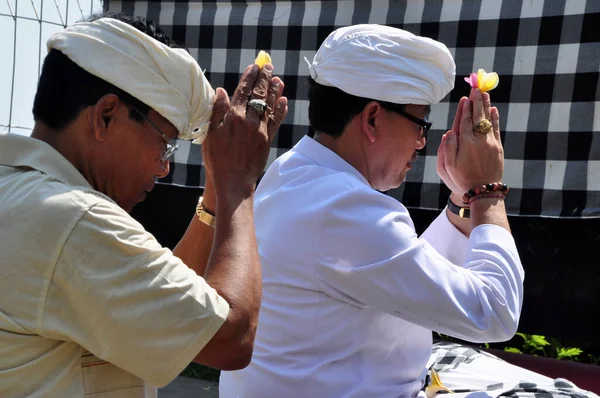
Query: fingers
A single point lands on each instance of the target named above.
(450, 149)
(244, 89)
(495, 122)
(259, 92)
(220, 107)
(277, 118)
(477, 99)
(458, 116)
(275, 91)
(277, 107)
(441, 165)
(487, 106)
(466, 122)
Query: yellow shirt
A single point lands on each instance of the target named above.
(90, 303)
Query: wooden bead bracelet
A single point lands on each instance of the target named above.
(468, 197)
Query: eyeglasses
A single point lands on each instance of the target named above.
(423, 123)
(169, 148)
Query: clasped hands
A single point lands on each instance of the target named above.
(471, 153)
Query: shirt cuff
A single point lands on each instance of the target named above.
(447, 240)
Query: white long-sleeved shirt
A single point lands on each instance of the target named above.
(351, 294)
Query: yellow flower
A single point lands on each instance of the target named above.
(262, 58)
(487, 81)
(483, 80)
(435, 385)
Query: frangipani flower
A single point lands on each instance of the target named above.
(483, 80)
(435, 385)
(262, 58)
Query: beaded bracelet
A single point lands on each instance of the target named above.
(491, 187)
(484, 196)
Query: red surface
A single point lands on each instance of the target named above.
(585, 376)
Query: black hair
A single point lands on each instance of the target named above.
(331, 109)
(65, 89)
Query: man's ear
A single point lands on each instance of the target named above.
(368, 120)
(103, 114)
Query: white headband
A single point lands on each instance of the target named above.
(384, 63)
(168, 80)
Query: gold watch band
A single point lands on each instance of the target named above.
(204, 215)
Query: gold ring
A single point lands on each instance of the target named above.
(483, 126)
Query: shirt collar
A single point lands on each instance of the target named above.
(21, 151)
(325, 157)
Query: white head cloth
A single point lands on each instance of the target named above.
(386, 64)
(168, 80)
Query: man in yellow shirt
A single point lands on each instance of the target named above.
(90, 302)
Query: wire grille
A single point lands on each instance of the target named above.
(25, 26)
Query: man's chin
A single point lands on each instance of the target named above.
(401, 179)
(142, 198)
(390, 184)
(389, 187)
(129, 205)
(128, 208)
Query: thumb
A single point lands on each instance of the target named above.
(220, 107)
(441, 160)
(450, 149)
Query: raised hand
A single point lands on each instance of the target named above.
(471, 154)
(239, 138)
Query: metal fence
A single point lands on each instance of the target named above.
(24, 27)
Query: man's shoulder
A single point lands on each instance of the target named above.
(310, 187)
(34, 191)
(297, 179)
(40, 212)
(57, 193)
(296, 168)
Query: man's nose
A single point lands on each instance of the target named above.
(421, 142)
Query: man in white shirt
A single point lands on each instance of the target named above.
(90, 303)
(351, 294)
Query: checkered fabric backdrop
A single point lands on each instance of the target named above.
(547, 54)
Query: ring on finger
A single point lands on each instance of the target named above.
(260, 106)
(483, 126)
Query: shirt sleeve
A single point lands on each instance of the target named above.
(370, 255)
(446, 239)
(122, 296)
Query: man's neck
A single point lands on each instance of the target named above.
(66, 142)
(346, 148)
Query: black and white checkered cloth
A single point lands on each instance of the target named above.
(468, 371)
(547, 54)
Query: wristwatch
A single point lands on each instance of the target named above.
(203, 214)
(462, 212)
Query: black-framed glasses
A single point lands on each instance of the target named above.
(170, 149)
(423, 123)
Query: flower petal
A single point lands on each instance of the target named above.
(488, 82)
(472, 80)
(480, 74)
(262, 58)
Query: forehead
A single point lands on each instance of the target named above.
(418, 109)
